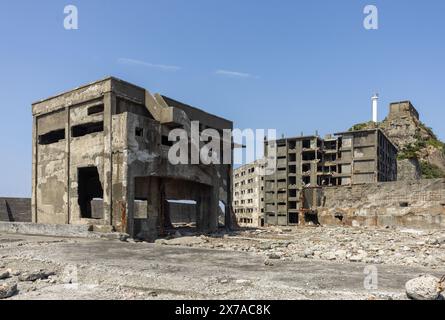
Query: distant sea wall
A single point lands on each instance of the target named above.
(15, 209)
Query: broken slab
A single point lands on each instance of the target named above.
(36, 275)
(184, 241)
(7, 289)
(425, 287)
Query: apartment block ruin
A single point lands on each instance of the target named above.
(248, 195)
(100, 158)
(306, 164)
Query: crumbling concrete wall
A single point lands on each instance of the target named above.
(408, 169)
(15, 209)
(419, 204)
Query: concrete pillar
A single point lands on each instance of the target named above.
(67, 164)
(109, 110)
(153, 207)
(34, 171)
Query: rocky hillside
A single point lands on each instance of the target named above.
(420, 151)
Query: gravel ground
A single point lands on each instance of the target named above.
(399, 246)
(305, 263)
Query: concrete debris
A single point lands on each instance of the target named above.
(183, 241)
(35, 275)
(425, 287)
(5, 274)
(267, 262)
(274, 256)
(7, 289)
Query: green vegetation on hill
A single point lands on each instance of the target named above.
(430, 171)
(411, 150)
(363, 126)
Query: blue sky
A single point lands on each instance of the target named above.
(290, 65)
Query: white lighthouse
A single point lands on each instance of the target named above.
(375, 100)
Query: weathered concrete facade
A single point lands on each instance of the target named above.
(307, 162)
(100, 158)
(248, 195)
(366, 156)
(416, 203)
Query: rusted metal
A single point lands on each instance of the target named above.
(123, 216)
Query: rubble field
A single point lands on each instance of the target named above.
(269, 263)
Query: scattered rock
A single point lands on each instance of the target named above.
(153, 294)
(35, 275)
(265, 246)
(433, 241)
(103, 228)
(425, 287)
(242, 281)
(308, 253)
(123, 236)
(5, 274)
(7, 289)
(355, 258)
(341, 254)
(184, 241)
(160, 241)
(267, 262)
(274, 256)
(329, 256)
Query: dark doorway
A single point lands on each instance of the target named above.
(293, 218)
(89, 189)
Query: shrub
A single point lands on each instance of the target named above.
(431, 171)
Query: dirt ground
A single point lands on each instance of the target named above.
(305, 263)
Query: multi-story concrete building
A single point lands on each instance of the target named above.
(248, 195)
(366, 156)
(309, 162)
(100, 157)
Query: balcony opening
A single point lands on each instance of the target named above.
(293, 218)
(308, 155)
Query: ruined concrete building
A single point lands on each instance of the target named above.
(310, 162)
(248, 195)
(100, 158)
